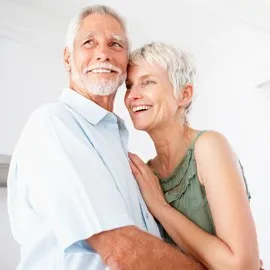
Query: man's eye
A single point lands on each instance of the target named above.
(116, 44)
(88, 42)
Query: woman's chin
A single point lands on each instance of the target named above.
(140, 126)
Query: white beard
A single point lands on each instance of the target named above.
(104, 87)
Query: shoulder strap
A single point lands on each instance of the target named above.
(197, 137)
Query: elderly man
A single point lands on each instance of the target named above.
(73, 202)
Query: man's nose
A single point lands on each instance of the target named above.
(102, 54)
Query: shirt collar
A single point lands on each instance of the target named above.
(92, 112)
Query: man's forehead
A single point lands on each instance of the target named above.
(93, 33)
(96, 25)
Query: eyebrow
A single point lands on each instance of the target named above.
(89, 34)
(146, 76)
(113, 36)
(141, 77)
(118, 38)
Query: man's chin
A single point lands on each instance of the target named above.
(102, 93)
(105, 89)
(101, 87)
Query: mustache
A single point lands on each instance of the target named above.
(104, 65)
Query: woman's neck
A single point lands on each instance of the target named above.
(171, 144)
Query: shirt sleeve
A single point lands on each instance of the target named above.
(68, 183)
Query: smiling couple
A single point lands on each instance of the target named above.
(78, 200)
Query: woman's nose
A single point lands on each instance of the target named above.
(134, 94)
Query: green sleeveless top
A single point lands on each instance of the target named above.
(184, 192)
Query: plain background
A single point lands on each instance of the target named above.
(230, 40)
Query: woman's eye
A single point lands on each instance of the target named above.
(149, 82)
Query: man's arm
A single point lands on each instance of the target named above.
(131, 248)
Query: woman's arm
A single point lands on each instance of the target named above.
(235, 246)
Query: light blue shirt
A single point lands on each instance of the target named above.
(69, 179)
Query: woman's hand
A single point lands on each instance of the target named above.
(148, 183)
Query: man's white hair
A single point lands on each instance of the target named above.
(93, 9)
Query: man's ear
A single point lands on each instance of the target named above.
(186, 95)
(67, 56)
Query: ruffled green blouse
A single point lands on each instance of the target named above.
(184, 192)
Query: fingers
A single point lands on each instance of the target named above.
(134, 169)
(135, 158)
(138, 163)
(137, 170)
(137, 174)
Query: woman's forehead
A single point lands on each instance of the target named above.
(145, 69)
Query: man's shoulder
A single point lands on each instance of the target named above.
(50, 112)
(53, 109)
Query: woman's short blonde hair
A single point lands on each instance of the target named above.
(179, 64)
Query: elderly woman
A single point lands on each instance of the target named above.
(194, 186)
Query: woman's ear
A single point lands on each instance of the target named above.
(186, 95)
(67, 56)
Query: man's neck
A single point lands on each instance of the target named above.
(105, 102)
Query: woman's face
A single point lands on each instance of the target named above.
(150, 97)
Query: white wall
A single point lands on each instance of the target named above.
(233, 55)
(28, 78)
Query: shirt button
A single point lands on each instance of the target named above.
(146, 215)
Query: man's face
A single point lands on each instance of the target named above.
(100, 55)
